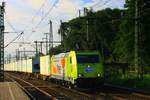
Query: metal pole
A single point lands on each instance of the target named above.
(24, 53)
(50, 31)
(36, 46)
(140, 42)
(41, 47)
(87, 33)
(87, 30)
(79, 13)
(136, 56)
(46, 42)
(61, 33)
(18, 54)
(2, 10)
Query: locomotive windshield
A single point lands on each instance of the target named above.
(88, 58)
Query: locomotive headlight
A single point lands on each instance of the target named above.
(79, 75)
(98, 75)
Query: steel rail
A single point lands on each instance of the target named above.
(30, 85)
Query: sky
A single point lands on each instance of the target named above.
(26, 15)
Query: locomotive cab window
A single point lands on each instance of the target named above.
(88, 58)
(70, 60)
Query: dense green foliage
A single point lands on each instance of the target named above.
(103, 27)
(111, 31)
(124, 43)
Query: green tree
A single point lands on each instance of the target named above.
(102, 26)
(123, 45)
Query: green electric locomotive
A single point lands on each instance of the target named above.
(82, 69)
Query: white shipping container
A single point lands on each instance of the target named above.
(15, 66)
(12, 65)
(9, 67)
(6, 67)
(19, 66)
(29, 66)
(24, 65)
(45, 65)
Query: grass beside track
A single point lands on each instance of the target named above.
(131, 82)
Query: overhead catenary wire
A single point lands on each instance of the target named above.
(15, 31)
(13, 40)
(76, 13)
(94, 5)
(49, 11)
(33, 17)
(79, 10)
(43, 4)
(52, 9)
(104, 4)
(46, 14)
(9, 23)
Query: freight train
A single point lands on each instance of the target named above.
(80, 69)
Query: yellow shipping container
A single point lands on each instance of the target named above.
(45, 65)
(29, 66)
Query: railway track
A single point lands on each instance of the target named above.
(51, 90)
(32, 91)
(111, 92)
(107, 92)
